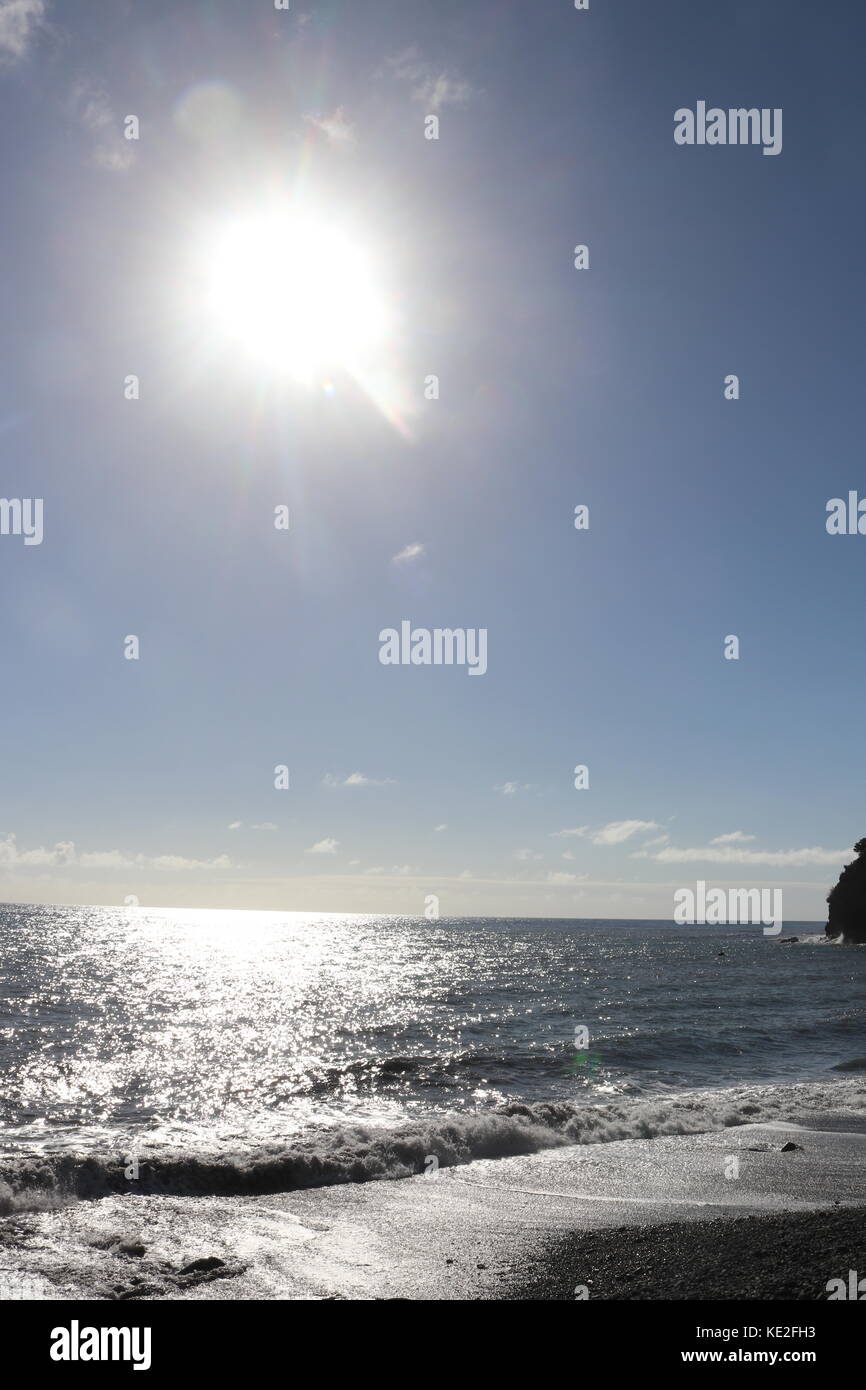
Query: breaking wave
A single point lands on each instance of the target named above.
(364, 1153)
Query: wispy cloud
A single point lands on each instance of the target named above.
(409, 552)
(64, 855)
(19, 22)
(512, 788)
(438, 828)
(326, 846)
(357, 779)
(732, 838)
(443, 90)
(577, 830)
(177, 861)
(736, 854)
(433, 87)
(618, 831)
(336, 128)
(111, 150)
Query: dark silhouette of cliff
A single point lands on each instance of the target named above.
(847, 915)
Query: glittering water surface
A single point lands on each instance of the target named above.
(250, 1026)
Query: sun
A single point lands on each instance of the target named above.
(296, 293)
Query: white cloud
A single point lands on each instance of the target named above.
(438, 828)
(396, 870)
(19, 19)
(106, 859)
(561, 834)
(734, 837)
(434, 89)
(568, 854)
(407, 66)
(617, 831)
(234, 825)
(561, 879)
(64, 855)
(409, 552)
(444, 90)
(61, 856)
(732, 854)
(111, 149)
(264, 825)
(357, 779)
(465, 874)
(338, 130)
(176, 861)
(659, 840)
(524, 854)
(326, 846)
(512, 788)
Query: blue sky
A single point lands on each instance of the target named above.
(558, 387)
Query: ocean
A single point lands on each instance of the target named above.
(228, 1052)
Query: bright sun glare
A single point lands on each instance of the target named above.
(297, 295)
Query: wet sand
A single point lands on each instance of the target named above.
(635, 1219)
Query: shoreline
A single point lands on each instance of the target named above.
(759, 1211)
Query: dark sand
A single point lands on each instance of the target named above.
(789, 1256)
(632, 1220)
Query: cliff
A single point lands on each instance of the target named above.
(847, 901)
